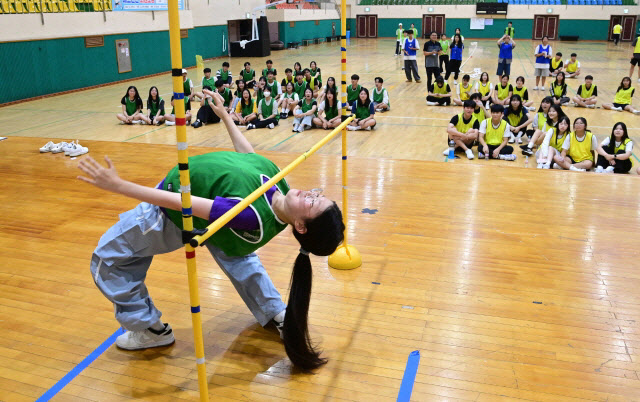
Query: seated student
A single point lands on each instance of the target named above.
(502, 91)
(237, 94)
(265, 71)
(300, 86)
(312, 82)
(304, 112)
(558, 90)
(364, 111)
(614, 153)
(131, 107)
(463, 91)
(463, 130)
(622, 100)
(226, 94)
(170, 118)
(480, 112)
(331, 84)
(246, 110)
(556, 65)
(258, 89)
(273, 86)
(188, 86)
(332, 108)
(207, 81)
(552, 144)
(483, 87)
(554, 115)
(493, 137)
(268, 115)
(288, 101)
(224, 75)
(297, 69)
(578, 148)
(155, 106)
(518, 119)
(439, 93)
(315, 72)
(587, 94)
(380, 96)
(353, 90)
(206, 113)
(248, 75)
(540, 117)
(572, 66)
(523, 92)
(289, 78)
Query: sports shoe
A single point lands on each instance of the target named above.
(535, 88)
(455, 82)
(636, 111)
(148, 338)
(545, 166)
(558, 167)
(278, 322)
(431, 103)
(196, 124)
(250, 126)
(170, 123)
(469, 154)
(59, 147)
(136, 122)
(609, 169)
(575, 169)
(539, 165)
(368, 128)
(519, 140)
(408, 80)
(542, 88)
(527, 151)
(508, 157)
(70, 147)
(512, 139)
(531, 108)
(48, 147)
(79, 150)
(295, 127)
(271, 126)
(599, 169)
(617, 109)
(418, 81)
(591, 106)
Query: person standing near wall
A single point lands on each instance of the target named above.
(410, 47)
(505, 57)
(617, 30)
(543, 58)
(415, 30)
(399, 33)
(509, 30)
(432, 51)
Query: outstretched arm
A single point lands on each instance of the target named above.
(240, 142)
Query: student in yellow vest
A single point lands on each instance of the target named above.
(556, 65)
(572, 66)
(558, 90)
(484, 88)
(544, 123)
(552, 144)
(587, 94)
(521, 90)
(617, 30)
(493, 137)
(329, 111)
(518, 119)
(578, 148)
(463, 91)
(121, 261)
(439, 93)
(480, 112)
(635, 60)
(246, 109)
(614, 153)
(502, 91)
(538, 119)
(463, 129)
(622, 100)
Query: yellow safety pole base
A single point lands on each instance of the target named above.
(345, 257)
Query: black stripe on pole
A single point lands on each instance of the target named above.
(183, 166)
(176, 72)
(343, 36)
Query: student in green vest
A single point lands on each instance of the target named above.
(552, 144)
(493, 137)
(248, 74)
(614, 153)
(439, 93)
(443, 59)
(224, 75)
(206, 114)
(332, 109)
(399, 33)
(237, 93)
(188, 85)
(301, 85)
(353, 90)
(227, 95)
(315, 72)
(502, 91)
(155, 107)
(415, 30)
(269, 68)
(121, 261)
(288, 101)
(510, 30)
(364, 112)
(578, 148)
(380, 95)
(258, 90)
(544, 123)
(131, 107)
(305, 111)
(331, 84)
(463, 130)
(587, 94)
(523, 92)
(558, 90)
(268, 115)
(289, 78)
(622, 100)
(207, 81)
(170, 118)
(516, 115)
(273, 86)
(246, 110)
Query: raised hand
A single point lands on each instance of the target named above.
(104, 178)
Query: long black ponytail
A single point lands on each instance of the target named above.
(324, 234)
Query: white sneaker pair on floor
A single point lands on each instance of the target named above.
(71, 149)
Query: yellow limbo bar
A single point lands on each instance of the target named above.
(230, 214)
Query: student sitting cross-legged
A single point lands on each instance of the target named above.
(380, 96)
(518, 119)
(332, 109)
(206, 114)
(587, 94)
(439, 93)
(493, 137)
(155, 106)
(246, 110)
(553, 142)
(578, 148)
(364, 111)
(268, 115)
(614, 153)
(463, 129)
(305, 111)
(463, 91)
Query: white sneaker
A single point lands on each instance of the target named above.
(250, 126)
(148, 338)
(455, 82)
(469, 153)
(519, 140)
(70, 147)
(535, 88)
(539, 165)
(599, 169)
(507, 157)
(546, 166)
(352, 128)
(617, 109)
(271, 125)
(636, 111)
(609, 169)
(170, 123)
(278, 321)
(558, 167)
(591, 106)
(512, 139)
(295, 127)
(136, 122)
(48, 147)
(575, 169)
(80, 150)
(59, 147)
(431, 103)
(368, 128)
(542, 88)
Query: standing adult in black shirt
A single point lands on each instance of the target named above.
(432, 51)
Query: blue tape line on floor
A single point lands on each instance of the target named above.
(80, 366)
(409, 376)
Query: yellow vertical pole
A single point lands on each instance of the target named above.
(346, 256)
(185, 190)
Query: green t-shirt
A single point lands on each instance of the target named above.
(248, 76)
(210, 82)
(352, 94)
(130, 106)
(224, 75)
(232, 175)
(445, 45)
(300, 88)
(266, 109)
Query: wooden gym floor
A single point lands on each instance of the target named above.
(514, 284)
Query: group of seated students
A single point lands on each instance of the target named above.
(263, 102)
(557, 145)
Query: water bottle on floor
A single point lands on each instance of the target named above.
(452, 148)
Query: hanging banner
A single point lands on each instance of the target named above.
(143, 5)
